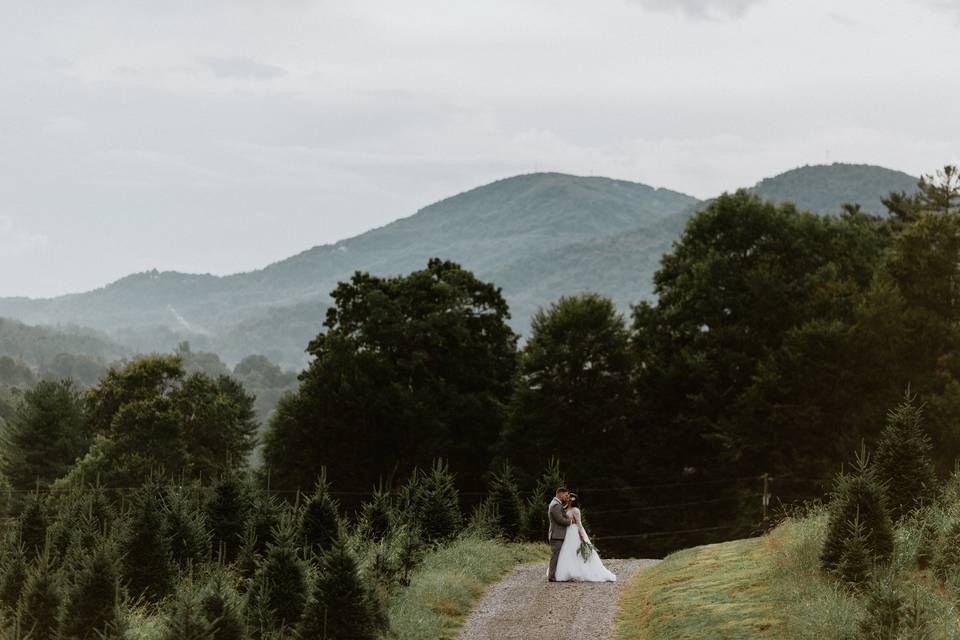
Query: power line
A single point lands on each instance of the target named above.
(676, 505)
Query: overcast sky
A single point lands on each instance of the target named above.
(221, 136)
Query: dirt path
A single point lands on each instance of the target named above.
(524, 606)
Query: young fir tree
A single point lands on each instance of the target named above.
(279, 588)
(342, 606)
(185, 526)
(856, 561)
(435, 504)
(221, 606)
(902, 460)
(184, 618)
(41, 600)
(946, 557)
(858, 495)
(484, 521)
(264, 518)
(13, 574)
(884, 616)
(319, 517)
(32, 524)
(926, 545)
(148, 567)
(93, 597)
(916, 620)
(535, 521)
(376, 515)
(227, 509)
(505, 494)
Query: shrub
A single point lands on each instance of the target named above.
(536, 521)
(40, 601)
(902, 461)
(227, 509)
(946, 558)
(376, 515)
(484, 522)
(92, 598)
(185, 525)
(342, 606)
(505, 495)
(184, 618)
(884, 616)
(148, 568)
(434, 504)
(319, 517)
(221, 606)
(279, 588)
(858, 495)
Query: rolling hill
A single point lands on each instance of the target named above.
(538, 236)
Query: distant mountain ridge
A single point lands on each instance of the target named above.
(538, 236)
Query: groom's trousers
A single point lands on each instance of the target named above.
(555, 546)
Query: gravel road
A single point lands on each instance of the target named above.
(524, 606)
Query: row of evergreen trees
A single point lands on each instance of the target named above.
(231, 561)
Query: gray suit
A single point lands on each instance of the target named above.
(558, 531)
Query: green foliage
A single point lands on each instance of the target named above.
(946, 558)
(407, 369)
(148, 568)
(227, 509)
(858, 496)
(279, 588)
(93, 595)
(32, 524)
(856, 558)
(45, 435)
(319, 517)
(536, 522)
(431, 502)
(342, 606)
(185, 526)
(39, 345)
(222, 607)
(376, 515)
(184, 617)
(41, 601)
(573, 387)
(13, 574)
(884, 617)
(504, 494)
(902, 460)
(484, 521)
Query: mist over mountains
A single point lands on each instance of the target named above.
(538, 236)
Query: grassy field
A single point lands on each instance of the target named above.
(449, 583)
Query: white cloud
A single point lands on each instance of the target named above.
(16, 242)
(64, 126)
(709, 9)
(242, 67)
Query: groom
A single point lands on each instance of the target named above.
(558, 529)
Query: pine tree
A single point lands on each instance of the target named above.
(341, 606)
(185, 526)
(484, 521)
(32, 524)
(884, 615)
(376, 515)
(41, 600)
(279, 587)
(148, 567)
(858, 495)
(12, 578)
(926, 545)
(856, 561)
(227, 510)
(916, 624)
(946, 558)
(535, 521)
(184, 618)
(221, 606)
(435, 504)
(263, 519)
(505, 494)
(319, 518)
(92, 598)
(902, 459)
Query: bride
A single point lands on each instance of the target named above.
(571, 565)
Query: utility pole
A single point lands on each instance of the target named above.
(766, 494)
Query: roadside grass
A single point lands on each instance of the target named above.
(450, 581)
(772, 587)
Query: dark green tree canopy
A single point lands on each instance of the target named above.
(408, 368)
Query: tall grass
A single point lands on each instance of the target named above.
(445, 587)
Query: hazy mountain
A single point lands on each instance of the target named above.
(826, 188)
(276, 309)
(39, 346)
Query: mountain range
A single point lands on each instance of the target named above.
(538, 236)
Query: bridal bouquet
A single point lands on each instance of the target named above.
(586, 550)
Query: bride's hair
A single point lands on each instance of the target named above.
(574, 501)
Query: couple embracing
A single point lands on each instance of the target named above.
(572, 557)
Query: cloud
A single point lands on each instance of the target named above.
(15, 242)
(241, 67)
(64, 126)
(703, 9)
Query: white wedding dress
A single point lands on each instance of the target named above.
(571, 566)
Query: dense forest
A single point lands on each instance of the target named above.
(777, 343)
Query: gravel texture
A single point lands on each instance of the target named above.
(524, 606)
